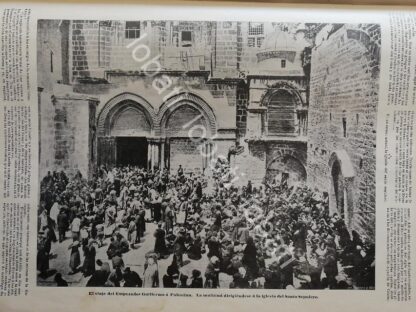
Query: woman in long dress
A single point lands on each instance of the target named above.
(75, 258)
(151, 274)
(160, 243)
(132, 232)
(250, 258)
(169, 218)
(89, 261)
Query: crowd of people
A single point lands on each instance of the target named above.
(213, 233)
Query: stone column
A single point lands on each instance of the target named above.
(207, 154)
(162, 154)
(203, 154)
(151, 155)
(156, 155)
(167, 159)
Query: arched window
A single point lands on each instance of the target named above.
(281, 113)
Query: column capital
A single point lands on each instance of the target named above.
(155, 140)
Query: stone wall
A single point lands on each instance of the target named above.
(226, 50)
(152, 35)
(102, 45)
(241, 113)
(52, 78)
(251, 164)
(342, 118)
(46, 133)
(50, 54)
(222, 47)
(185, 152)
(192, 155)
(91, 47)
(67, 134)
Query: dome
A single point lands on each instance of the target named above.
(280, 54)
(280, 41)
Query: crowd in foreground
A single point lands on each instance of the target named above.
(273, 236)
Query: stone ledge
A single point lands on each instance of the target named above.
(281, 139)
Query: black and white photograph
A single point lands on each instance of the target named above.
(207, 154)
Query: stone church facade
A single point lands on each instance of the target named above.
(293, 101)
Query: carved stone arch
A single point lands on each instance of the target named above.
(175, 102)
(287, 162)
(280, 154)
(286, 86)
(120, 103)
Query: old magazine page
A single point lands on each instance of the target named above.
(212, 157)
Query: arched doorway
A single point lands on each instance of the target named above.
(338, 187)
(185, 139)
(341, 197)
(124, 127)
(287, 169)
(187, 123)
(131, 128)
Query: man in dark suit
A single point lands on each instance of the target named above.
(63, 223)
